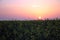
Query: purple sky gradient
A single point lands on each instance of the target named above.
(29, 9)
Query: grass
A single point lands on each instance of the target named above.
(30, 30)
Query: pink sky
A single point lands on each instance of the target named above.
(29, 9)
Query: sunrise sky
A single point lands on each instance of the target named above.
(29, 9)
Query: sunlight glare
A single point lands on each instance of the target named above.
(35, 5)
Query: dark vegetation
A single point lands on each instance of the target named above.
(30, 30)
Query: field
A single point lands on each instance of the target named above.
(30, 30)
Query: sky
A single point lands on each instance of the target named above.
(29, 9)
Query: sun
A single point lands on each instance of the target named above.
(39, 17)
